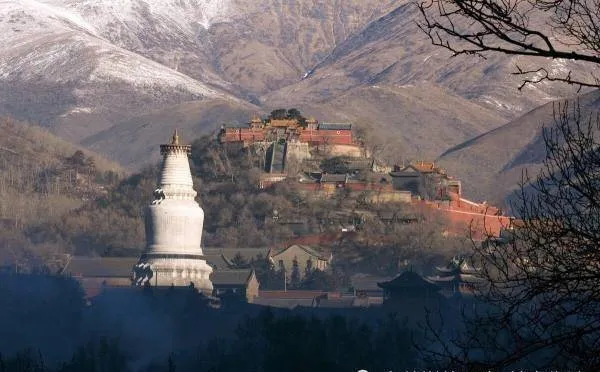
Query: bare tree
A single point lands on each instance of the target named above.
(541, 297)
(567, 29)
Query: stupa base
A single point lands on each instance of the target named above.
(178, 272)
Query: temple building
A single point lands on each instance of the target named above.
(409, 294)
(173, 222)
(458, 276)
(311, 132)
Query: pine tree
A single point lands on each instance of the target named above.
(309, 267)
(295, 278)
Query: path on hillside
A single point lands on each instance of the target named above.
(277, 161)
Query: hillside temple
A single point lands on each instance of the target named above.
(174, 257)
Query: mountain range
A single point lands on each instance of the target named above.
(117, 77)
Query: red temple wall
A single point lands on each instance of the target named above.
(243, 135)
(315, 136)
(334, 137)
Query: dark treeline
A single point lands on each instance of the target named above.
(47, 326)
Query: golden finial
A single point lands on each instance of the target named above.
(175, 140)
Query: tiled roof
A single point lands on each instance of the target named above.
(450, 268)
(409, 279)
(438, 278)
(98, 267)
(237, 125)
(335, 126)
(358, 164)
(329, 177)
(367, 282)
(229, 253)
(218, 261)
(404, 174)
(230, 277)
(468, 268)
(311, 251)
(122, 267)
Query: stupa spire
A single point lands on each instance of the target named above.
(175, 139)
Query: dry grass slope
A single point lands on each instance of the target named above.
(491, 165)
(42, 177)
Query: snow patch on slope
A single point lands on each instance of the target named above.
(45, 38)
(214, 10)
(143, 73)
(49, 10)
(104, 14)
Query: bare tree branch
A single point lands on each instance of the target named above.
(540, 302)
(565, 29)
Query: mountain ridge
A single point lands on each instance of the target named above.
(100, 73)
(492, 164)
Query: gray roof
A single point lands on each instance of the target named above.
(100, 267)
(122, 267)
(237, 125)
(229, 253)
(335, 126)
(409, 279)
(311, 251)
(218, 261)
(367, 282)
(405, 174)
(230, 277)
(288, 303)
(328, 177)
(442, 279)
(358, 164)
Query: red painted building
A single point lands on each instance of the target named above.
(242, 134)
(313, 133)
(326, 133)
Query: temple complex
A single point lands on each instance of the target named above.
(173, 222)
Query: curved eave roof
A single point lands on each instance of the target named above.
(410, 280)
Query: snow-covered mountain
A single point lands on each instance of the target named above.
(112, 74)
(58, 62)
(84, 66)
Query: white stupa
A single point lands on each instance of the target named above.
(174, 221)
